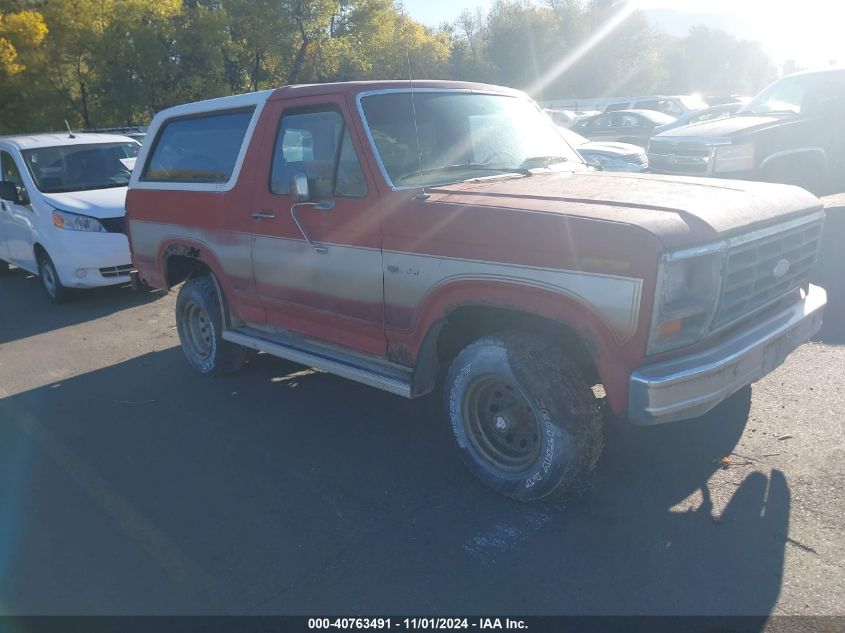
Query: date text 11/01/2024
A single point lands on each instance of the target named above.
(417, 623)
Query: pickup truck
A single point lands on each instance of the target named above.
(427, 235)
(792, 132)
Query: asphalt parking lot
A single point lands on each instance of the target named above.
(131, 485)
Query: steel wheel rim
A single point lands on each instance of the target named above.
(198, 330)
(501, 423)
(48, 277)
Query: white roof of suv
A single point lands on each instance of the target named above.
(32, 141)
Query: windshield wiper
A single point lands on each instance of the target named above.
(478, 167)
(544, 160)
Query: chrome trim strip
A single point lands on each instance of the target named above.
(708, 141)
(690, 386)
(395, 382)
(745, 237)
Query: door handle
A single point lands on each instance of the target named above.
(263, 215)
(323, 205)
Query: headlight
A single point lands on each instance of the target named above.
(734, 158)
(686, 295)
(604, 162)
(75, 222)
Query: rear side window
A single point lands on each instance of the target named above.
(200, 149)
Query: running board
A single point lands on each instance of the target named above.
(385, 376)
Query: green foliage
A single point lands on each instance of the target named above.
(115, 62)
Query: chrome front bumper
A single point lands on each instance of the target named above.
(689, 386)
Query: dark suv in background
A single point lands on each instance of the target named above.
(792, 132)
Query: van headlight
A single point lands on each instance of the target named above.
(76, 222)
(734, 157)
(687, 292)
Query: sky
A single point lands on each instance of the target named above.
(809, 31)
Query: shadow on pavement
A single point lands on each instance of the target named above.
(24, 290)
(146, 488)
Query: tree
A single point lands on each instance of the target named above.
(21, 33)
(714, 62)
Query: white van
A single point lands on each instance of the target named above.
(62, 209)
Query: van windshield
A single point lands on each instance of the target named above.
(81, 167)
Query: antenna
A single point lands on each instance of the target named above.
(423, 195)
(69, 133)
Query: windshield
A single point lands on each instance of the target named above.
(798, 94)
(81, 167)
(462, 135)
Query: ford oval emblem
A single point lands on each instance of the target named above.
(781, 268)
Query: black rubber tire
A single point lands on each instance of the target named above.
(56, 292)
(562, 402)
(200, 293)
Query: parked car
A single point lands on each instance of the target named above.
(628, 126)
(561, 117)
(607, 156)
(410, 235)
(715, 100)
(675, 106)
(62, 209)
(137, 132)
(792, 132)
(714, 113)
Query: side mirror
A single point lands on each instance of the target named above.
(8, 191)
(299, 188)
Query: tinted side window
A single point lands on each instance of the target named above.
(316, 143)
(627, 120)
(198, 149)
(601, 121)
(12, 174)
(616, 106)
(669, 107)
(10, 170)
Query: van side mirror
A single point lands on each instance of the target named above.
(9, 191)
(299, 187)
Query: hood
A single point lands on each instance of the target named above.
(724, 127)
(98, 203)
(611, 149)
(680, 211)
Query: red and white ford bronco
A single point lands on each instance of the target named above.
(397, 233)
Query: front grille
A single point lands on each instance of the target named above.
(679, 158)
(114, 225)
(638, 159)
(665, 148)
(750, 283)
(116, 271)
